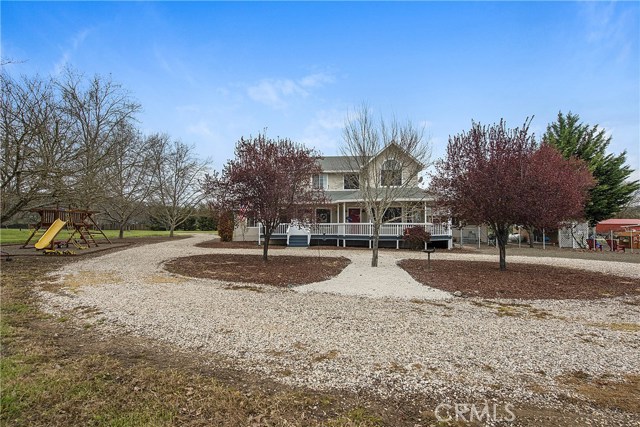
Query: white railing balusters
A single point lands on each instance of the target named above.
(365, 229)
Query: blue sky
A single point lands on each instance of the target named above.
(210, 72)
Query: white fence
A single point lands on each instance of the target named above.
(573, 236)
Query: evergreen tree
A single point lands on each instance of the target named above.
(612, 191)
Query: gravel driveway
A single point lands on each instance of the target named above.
(363, 330)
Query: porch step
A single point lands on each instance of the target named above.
(298, 241)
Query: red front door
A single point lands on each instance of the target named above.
(354, 215)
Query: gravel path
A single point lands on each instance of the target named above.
(408, 339)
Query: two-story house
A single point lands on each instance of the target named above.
(347, 183)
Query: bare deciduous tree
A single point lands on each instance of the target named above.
(129, 174)
(97, 109)
(388, 158)
(35, 150)
(177, 176)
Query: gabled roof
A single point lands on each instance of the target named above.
(346, 163)
(336, 164)
(393, 144)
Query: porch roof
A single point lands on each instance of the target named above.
(414, 194)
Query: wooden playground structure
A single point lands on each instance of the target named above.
(78, 223)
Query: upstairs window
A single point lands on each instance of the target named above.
(391, 175)
(319, 181)
(351, 181)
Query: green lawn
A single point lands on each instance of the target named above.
(11, 236)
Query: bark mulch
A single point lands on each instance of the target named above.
(520, 281)
(279, 271)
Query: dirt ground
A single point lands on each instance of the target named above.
(521, 281)
(277, 271)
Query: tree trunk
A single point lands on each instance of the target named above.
(121, 232)
(376, 240)
(171, 228)
(530, 230)
(502, 237)
(265, 247)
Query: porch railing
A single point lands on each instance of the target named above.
(365, 229)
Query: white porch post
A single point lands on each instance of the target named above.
(424, 205)
(478, 237)
(259, 229)
(344, 220)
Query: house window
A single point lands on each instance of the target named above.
(393, 214)
(319, 181)
(351, 181)
(391, 173)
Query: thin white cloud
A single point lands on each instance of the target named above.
(201, 129)
(324, 131)
(317, 79)
(276, 93)
(174, 66)
(607, 27)
(76, 41)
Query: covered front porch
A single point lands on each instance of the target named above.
(296, 234)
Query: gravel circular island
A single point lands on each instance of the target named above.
(368, 329)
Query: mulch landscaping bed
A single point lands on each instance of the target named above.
(520, 281)
(218, 244)
(278, 271)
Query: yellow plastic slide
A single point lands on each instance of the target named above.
(50, 234)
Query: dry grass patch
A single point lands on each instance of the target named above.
(90, 278)
(622, 327)
(606, 391)
(515, 310)
(251, 288)
(161, 279)
(329, 355)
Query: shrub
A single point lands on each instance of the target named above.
(226, 226)
(416, 237)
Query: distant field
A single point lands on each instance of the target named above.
(11, 236)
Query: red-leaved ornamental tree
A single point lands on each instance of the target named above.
(268, 180)
(556, 189)
(498, 176)
(481, 176)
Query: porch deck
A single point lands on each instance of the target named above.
(343, 233)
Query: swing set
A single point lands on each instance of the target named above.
(77, 222)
